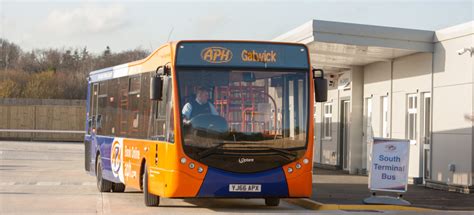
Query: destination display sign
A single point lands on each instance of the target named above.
(242, 54)
(389, 169)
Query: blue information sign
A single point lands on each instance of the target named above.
(242, 54)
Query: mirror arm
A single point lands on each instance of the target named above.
(318, 70)
(157, 81)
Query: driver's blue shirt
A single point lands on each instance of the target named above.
(188, 109)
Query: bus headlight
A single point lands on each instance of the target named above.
(298, 165)
(191, 165)
(200, 169)
(183, 160)
(305, 161)
(290, 170)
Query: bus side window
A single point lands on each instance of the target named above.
(122, 107)
(134, 106)
(169, 113)
(112, 122)
(101, 116)
(93, 107)
(161, 113)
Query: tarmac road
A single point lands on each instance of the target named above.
(49, 178)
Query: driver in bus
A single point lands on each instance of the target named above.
(199, 106)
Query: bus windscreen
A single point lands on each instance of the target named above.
(234, 112)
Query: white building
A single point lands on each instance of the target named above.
(395, 83)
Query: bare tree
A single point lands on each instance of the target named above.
(9, 54)
(54, 73)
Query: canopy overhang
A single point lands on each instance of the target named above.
(335, 45)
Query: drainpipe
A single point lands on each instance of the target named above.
(431, 118)
(391, 97)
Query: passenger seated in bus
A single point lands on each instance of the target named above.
(199, 106)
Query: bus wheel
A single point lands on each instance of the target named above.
(272, 201)
(118, 187)
(150, 199)
(102, 184)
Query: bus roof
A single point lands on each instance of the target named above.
(140, 66)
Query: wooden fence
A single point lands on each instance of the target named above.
(42, 119)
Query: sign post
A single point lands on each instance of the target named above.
(389, 170)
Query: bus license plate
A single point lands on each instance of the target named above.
(245, 188)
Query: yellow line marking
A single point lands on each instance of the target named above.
(313, 205)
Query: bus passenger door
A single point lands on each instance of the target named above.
(159, 130)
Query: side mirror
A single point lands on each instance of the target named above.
(156, 82)
(156, 88)
(320, 86)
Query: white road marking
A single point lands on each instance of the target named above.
(88, 183)
(100, 204)
(48, 183)
(6, 183)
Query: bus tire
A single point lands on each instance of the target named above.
(118, 187)
(103, 185)
(150, 199)
(272, 201)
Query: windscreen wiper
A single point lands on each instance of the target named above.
(283, 151)
(213, 149)
(286, 153)
(210, 151)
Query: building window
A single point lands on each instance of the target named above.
(327, 122)
(385, 132)
(411, 117)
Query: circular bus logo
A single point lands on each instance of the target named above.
(116, 158)
(216, 55)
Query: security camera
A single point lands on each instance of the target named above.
(464, 50)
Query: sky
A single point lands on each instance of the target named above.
(126, 25)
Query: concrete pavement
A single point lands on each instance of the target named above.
(336, 187)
